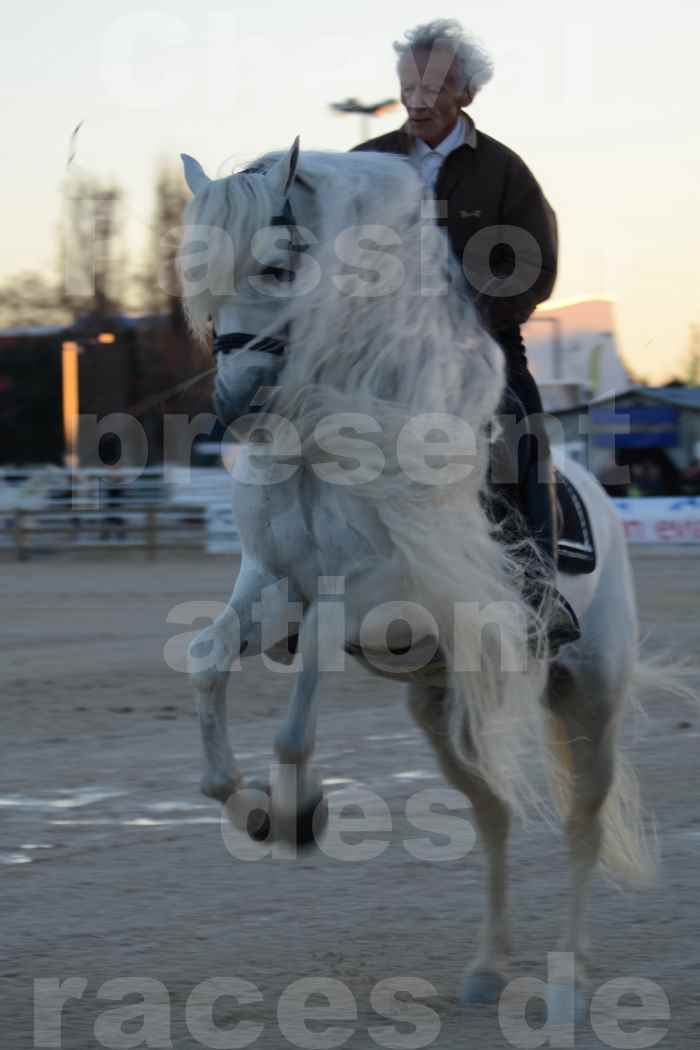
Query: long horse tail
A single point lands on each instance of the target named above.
(629, 849)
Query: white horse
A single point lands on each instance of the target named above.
(367, 346)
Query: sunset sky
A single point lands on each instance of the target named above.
(599, 101)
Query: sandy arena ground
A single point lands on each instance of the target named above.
(114, 866)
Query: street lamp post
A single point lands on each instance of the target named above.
(70, 383)
(365, 111)
(70, 393)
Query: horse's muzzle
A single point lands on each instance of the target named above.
(248, 396)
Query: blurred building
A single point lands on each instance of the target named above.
(573, 351)
(31, 426)
(653, 432)
(125, 365)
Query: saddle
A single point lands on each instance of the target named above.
(576, 554)
(515, 459)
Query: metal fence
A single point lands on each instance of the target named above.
(43, 510)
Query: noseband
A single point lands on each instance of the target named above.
(224, 344)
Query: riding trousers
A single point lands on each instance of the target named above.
(525, 483)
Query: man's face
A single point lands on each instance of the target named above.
(431, 93)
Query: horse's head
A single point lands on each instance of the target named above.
(242, 231)
(331, 277)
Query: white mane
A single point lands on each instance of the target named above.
(394, 356)
(423, 351)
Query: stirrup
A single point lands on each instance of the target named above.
(563, 627)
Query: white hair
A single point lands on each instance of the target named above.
(474, 65)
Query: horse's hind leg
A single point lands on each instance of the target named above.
(486, 977)
(583, 731)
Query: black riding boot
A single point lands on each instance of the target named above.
(528, 459)
(542, 515)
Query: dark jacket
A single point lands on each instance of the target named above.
(490, 186)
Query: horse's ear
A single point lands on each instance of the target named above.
(285, 169)
(292, 161)
(195, 176)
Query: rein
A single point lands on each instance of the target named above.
(140, 407)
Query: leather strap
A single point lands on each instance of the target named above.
(224, 344)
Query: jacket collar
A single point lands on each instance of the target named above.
(407, 141)
(402, 142)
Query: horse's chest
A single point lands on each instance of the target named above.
(271, 525)
(296, 533)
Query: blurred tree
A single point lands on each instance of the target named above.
(91, 249)
(637, 379)
(167, 355)
(157, 283)
(92, 277)
(690, 373)
(28, 299)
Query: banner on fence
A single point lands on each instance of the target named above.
(660, 520)
(204, 496)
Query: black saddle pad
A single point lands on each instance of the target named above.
(576, 551)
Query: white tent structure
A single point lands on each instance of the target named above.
(573, 352)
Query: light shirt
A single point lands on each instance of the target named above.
(429, 161)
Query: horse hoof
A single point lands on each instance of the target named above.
(305, 828)
(311, 822)
(482, 988)
(248, 809)
(319, 818)
(566, 1005)
(258, 824)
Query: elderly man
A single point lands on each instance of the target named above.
(503, 231)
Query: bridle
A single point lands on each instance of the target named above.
(224, 344)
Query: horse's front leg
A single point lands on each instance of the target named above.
(299, 813)
(237, 631)
(487, 976)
